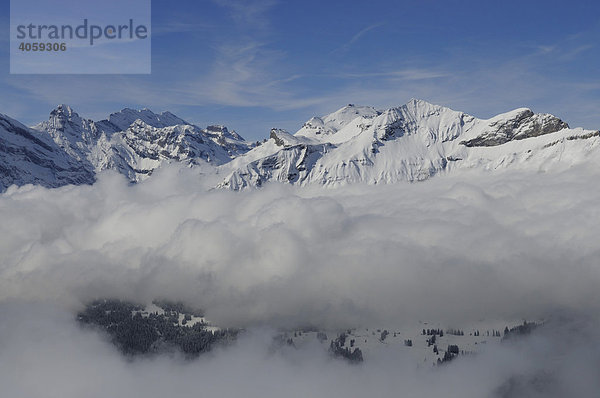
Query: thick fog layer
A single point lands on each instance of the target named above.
(453, 250)
(504, 246)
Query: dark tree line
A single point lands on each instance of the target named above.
(433, 332)
(521, 330)
(337, 348)
(455, 332)
(134, 334)
(451, 353)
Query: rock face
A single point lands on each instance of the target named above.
(28, 157)
(412, 142)
(68, 149)
(525, 124)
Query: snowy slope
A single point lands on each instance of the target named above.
(371, 340)
(412, 142)
(321, 128)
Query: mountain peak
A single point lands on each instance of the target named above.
(64, 115)
(217, 128)
(422, 106)
(284, 139)
(353, 109)
(317, 127)
(64, 110)
(167, 114)
(515, 114)
(223, 132)
(124, 118)
(418, 101)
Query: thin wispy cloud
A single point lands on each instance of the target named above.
(401, 74)
(346, 46)
(575, 52)
(249, 13)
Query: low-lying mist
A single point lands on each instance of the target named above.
(503, 246)
(43, 353)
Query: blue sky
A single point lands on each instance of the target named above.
(257, 64)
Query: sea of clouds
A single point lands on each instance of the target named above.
(454, 249)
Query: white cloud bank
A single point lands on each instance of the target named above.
(454, 250)
(510, 246)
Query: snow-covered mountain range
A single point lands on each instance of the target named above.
(68, 149)
(412, 142)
